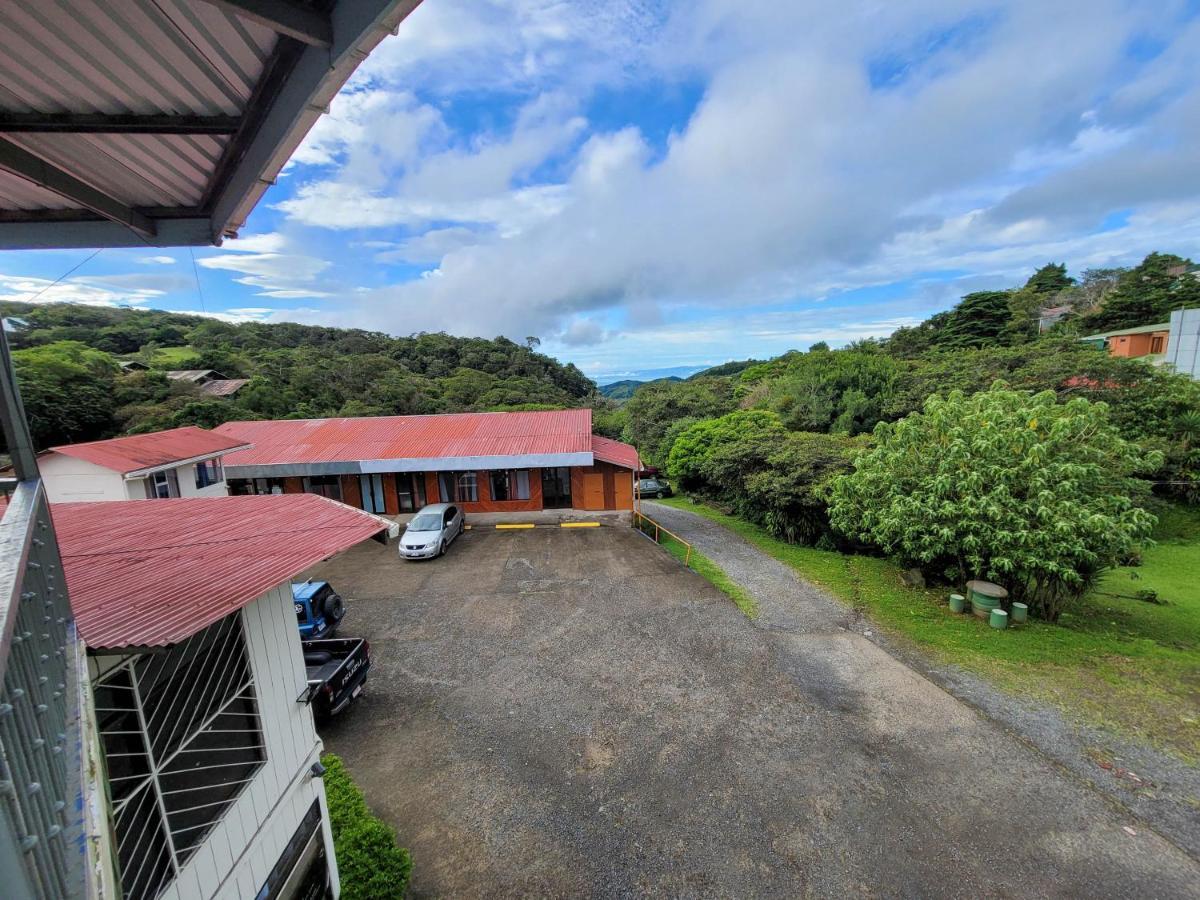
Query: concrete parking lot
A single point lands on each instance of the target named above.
(569, 712)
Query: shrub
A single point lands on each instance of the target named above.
(1004, 485)
(371, 865)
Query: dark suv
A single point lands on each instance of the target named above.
(654, 487)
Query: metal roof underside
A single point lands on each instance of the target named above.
(162, 122)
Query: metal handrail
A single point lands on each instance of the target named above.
(659, 530)
(41, 770)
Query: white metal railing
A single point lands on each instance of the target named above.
(41, 774)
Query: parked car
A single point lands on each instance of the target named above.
(654, 487)
(337, 671)
(431, 531)
(319, 609)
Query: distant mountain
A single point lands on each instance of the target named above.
(646, 374)
(623, 390)
(732, 367)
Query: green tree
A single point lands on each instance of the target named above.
(1146, 294)
(1050, 279)
(694, 452)
(68, 392)
(979, 318)
(1016, 488)
(658, 409)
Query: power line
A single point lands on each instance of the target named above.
(73, 268)
(196, 272)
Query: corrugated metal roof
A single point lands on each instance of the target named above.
(146, 451)
(610, 451)
(223, 387)
(150, 573)
(178, 111)
(292, 441)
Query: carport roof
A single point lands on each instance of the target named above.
(151, 573)
(162, 123)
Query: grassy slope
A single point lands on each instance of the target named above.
(175, 357)
(714, 574)
(1125, 663)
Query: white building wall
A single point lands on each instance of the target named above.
(70, 480)
(239, 853)
(1183, 342)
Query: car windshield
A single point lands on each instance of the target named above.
(426, 522)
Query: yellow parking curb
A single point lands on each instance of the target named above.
(579, 524)
(521, 525)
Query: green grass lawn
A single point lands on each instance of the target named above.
(176, 358)
(711, 572)
(1125, 663)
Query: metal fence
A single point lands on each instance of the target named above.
(41, 783)
(659, 533)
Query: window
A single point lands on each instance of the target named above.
(162, 485)
(521, 484)
(209, 473)
(372, 492)
(1156, 344)
(500, 485)
(461, 487)
(326, 485)
(181, 739)
(268, 486)
(410, 488)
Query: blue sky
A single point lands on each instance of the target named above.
(646, 185)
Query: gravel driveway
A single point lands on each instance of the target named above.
(570, 713)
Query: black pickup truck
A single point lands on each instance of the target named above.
(337, 670)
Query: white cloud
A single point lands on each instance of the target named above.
(156, 260)
(88, 291)
(275, 274)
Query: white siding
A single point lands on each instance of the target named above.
(246, 843)
(187, 484)
(70, 480)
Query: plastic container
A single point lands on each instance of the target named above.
(998, 619)
(957, 603)
(1020, 613)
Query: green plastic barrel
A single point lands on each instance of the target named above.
(999, 619)
(957, 603)
(1020, 613)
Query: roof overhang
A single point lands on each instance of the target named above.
(433, 464)
(175, 464)
(163, 124)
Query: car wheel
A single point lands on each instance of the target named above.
(336, 610)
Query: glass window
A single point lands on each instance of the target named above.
(410, 488)
(467, 487)
(521, 484)
(458, 487)
(208, 473)
(326, 485)
(162, 485)
(500, 483)
(372, 492)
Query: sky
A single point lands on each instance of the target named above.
(651, 185)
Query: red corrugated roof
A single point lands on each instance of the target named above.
(145, 451)
(410, 437)
(615, 452)
(150, 573)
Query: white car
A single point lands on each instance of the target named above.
(431, 531)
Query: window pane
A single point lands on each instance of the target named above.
(468, 489)
(521, 488)
(500, 485)
(446, 486)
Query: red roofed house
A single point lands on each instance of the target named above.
(485, 462)
(194, 666)
(182, 462)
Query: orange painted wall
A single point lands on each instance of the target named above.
(1133, 345)
(351, 493)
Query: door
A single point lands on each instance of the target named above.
(410, 487)
(372, 492)
(556, 488)
(593, 490)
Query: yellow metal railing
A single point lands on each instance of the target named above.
(655, 531)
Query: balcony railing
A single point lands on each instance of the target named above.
(42, 803)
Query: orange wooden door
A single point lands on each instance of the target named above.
(593, 490)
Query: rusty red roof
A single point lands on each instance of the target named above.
(148, 451)
(610, 451)
(297, 441)
(150, 573)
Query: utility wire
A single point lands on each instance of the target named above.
(196, 272)
(73, 268)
